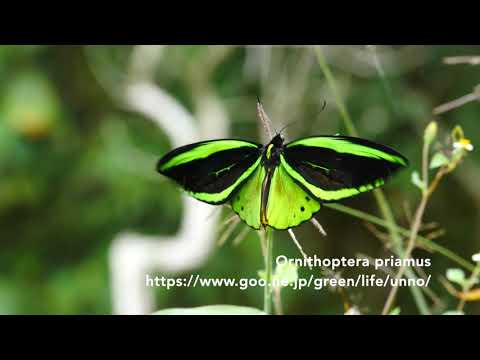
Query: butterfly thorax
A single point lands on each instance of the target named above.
(271, 153)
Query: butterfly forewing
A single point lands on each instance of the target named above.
(211, 170)
(336, 167)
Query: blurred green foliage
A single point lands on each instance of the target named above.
(77, 168)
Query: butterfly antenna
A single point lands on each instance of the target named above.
(286, 126)
(293, 122)
(266, 122)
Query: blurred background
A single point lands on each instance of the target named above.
(84, 215)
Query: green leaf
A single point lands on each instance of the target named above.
(261, 274)
(456, 276)
(453, 312)
(31, 105)
(430, 132)
(286, 273)
(212, 310)
(457, 134)
(438, 160)
(395, 311)
(417, 181)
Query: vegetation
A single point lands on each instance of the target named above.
(78, 149)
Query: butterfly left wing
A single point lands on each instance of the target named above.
(247, 201)
(336, 167)
(212, 170)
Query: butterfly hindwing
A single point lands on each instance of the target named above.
(247, 201)
(288, 204)
(211, 171)
(337, 167)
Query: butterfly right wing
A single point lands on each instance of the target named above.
(337, 167)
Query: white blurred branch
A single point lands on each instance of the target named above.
(132, 256)
(454, 60)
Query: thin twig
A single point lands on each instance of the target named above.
(456, 103)
(292, 235)
(227, 221)
(454, 60)
(410, 247)
(435, 234)
(467, 286)
(449, 287)
(239, 238)
(228, 232)
(384, 237)
(318, 226)
(408, 211)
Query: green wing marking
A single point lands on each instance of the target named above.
(201, 150)
(337, 167)
(351, 146)
(211, 171)
(247, 201)
(288, 204)
(224, 195)
(326, 195)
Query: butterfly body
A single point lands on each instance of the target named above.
(279, 185)
(270, 160)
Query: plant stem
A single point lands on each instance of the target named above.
(277, 300)
(333, 86)
(417, 221)
(383, 78)
(267, 303)
(408, 252)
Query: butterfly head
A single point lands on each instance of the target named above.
(277, 140)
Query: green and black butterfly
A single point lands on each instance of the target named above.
(280, 185)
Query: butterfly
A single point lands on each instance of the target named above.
(280, 185)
